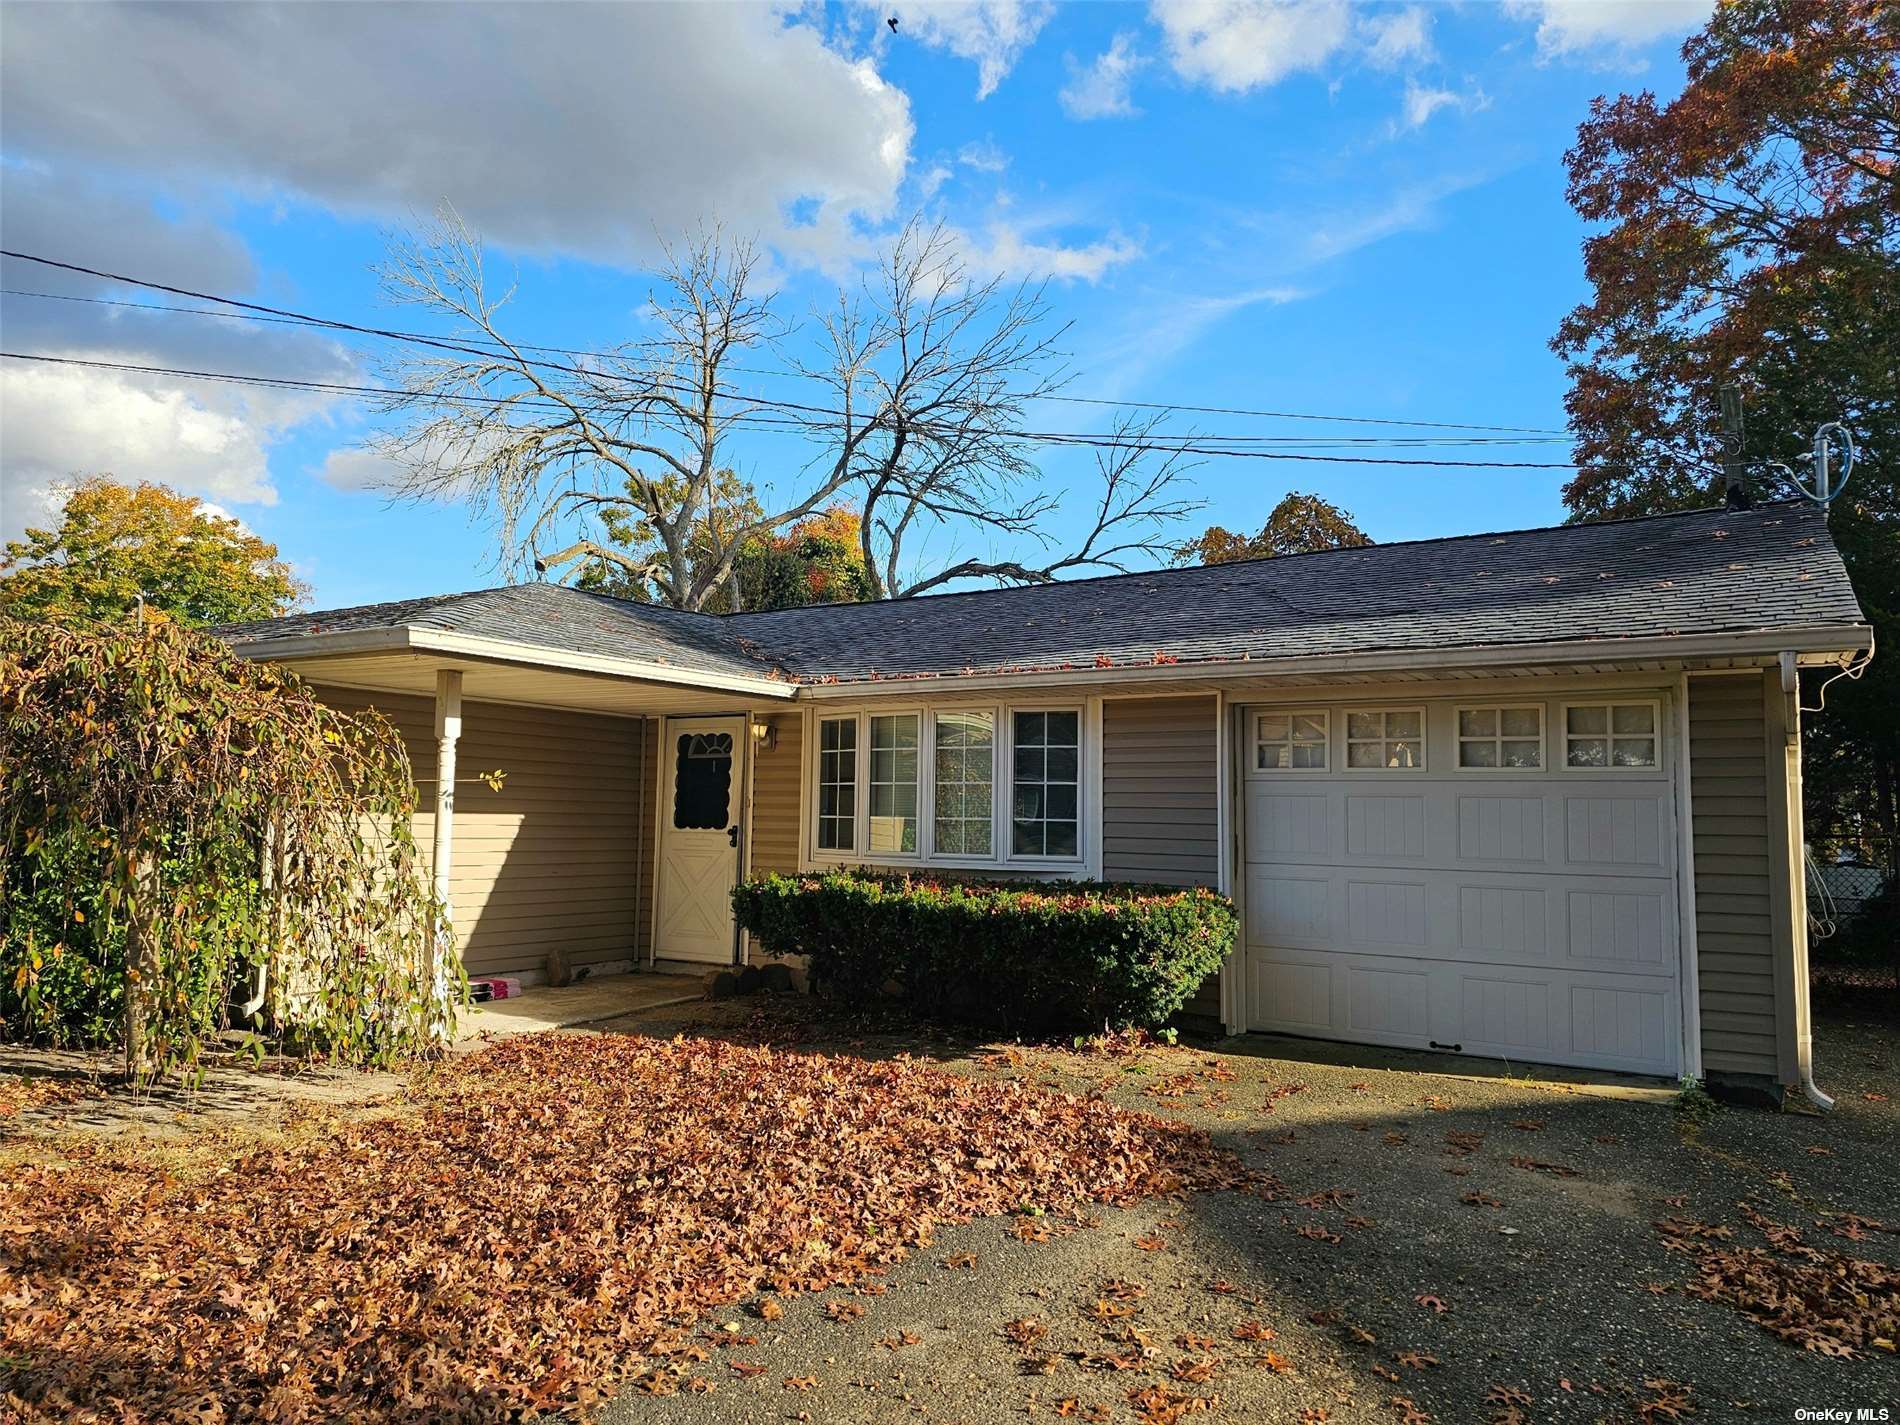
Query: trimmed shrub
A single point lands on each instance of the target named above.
(1040, 955)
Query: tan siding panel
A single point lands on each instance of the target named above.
(777, 782)
(1158, 791)
(1729, 800)
(1159, 801)
(553, 858)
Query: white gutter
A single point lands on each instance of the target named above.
(408, 639)
(1813, 645)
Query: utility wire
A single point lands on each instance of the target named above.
(1053, 438)
(259, 312)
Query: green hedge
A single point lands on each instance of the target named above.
(1033, 955)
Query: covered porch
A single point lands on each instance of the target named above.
(583, 816)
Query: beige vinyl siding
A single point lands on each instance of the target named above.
(1160, 790)
(647, 838)
(776, 787)
(552, 859)
(1735, 954)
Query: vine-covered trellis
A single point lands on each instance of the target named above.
(192, 842)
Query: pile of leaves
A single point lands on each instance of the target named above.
(1069, 955)
(546, 1215)
(24, 1093)
(1822, 1301)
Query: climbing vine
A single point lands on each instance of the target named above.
(194, 842)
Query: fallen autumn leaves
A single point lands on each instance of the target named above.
(551, 1211)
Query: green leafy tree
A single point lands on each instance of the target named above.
(183, 830)
(818, 560)
(116, 542)
(1299, 524)
(1749, 232)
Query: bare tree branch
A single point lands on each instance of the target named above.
(924, 381)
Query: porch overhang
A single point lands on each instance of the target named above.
(407, 659)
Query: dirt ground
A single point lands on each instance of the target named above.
(1381, 1292)
(1441, 1247)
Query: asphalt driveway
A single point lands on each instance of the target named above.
(1431, 1247)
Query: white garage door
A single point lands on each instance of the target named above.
(1495, 877)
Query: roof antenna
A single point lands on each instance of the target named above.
(1826, 481)
(1734, 472)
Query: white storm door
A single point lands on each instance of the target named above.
(700, 820)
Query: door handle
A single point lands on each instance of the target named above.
(732, 837)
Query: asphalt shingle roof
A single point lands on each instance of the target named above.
(546, 616)
(1708, 571)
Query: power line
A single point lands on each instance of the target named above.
(1056, 438)
(259, 312)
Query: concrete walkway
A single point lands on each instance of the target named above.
(592, 1001)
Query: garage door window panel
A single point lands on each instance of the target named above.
(1505, 739)
(1611, 737)
(1385, 739)
(1291, 741)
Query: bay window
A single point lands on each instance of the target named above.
(957, 785)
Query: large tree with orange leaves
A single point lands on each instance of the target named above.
(1299, 524)
(1748, 231)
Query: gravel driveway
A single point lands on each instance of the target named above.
(1439, 1248)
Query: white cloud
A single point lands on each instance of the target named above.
(1569, 27)
(1328, 236)
(64, 421)
(933, 178)
(1012, 248)
(553, 128)
(1162, 327)
(983, 155)
(357, 468)
(1233, 46)
(203, 438)
(1099, 90)
(1397, 37)
(991, 33)
(1422, 101)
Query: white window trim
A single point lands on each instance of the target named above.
(1458, 739)
(1006, 817)
(1002, 779)
(1254, 769)
(1562, 737)
(1346, 739)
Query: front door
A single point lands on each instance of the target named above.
(700, 820)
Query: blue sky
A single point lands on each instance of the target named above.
(1315, 206)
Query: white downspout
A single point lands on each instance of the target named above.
(1798, 890)
(448, 729)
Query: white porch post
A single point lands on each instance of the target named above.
(448, 728)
